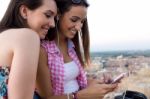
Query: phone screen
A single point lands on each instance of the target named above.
(118, 78)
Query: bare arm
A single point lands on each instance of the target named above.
(22, 76)
(43, 76)
(95, 90)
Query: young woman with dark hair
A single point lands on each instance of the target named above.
(65, 54)
(23, 25)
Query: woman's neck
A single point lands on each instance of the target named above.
(61, 40)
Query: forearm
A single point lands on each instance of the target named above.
(58, 97)
(91, 81)
(79, 95)
(84, 95)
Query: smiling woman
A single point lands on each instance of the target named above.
(61, 63)
(23, 25)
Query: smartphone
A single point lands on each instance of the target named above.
(118, 78)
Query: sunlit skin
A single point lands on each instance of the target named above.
(20, 47)
(42, 18)
(72, 21)
(68, 25)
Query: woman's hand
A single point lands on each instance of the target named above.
(96, 91)
(92, 81)
(107, 78)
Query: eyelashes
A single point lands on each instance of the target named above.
(77, 19)
(74, 20)
(47, 15)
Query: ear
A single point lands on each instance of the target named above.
(23, 11)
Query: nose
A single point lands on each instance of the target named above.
(51, 23)
(78, 26)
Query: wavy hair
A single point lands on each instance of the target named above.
(12, 18)
(63, 7)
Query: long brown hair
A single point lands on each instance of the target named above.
(12, 18)
(64, 6)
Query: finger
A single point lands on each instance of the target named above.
(110, 86)
(100, 81)
(107, 78)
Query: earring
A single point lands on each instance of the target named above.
(25, 17)
(57, 18)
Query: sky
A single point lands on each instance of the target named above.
(115, 24)
(119, 24)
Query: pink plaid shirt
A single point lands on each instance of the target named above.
(56, 66)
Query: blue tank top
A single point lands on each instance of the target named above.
(4, 73)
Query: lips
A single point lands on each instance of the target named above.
(73, 32)
(45, 29)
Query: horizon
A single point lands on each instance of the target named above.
(115, 25)
(137, 50)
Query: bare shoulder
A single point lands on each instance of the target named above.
(25, 33)
(19, 42)
(21, 35)
(20, 38)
